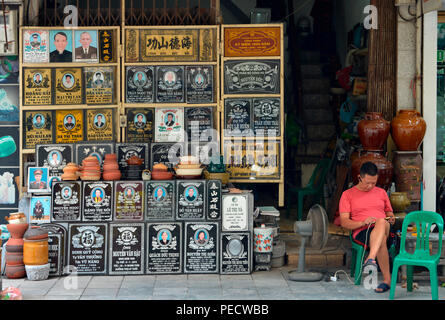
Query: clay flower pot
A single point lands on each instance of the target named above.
(373, 131)
(408, 129)
(14, 258)
(15, 271)
(135, 160)
(17, 230)
(112, 175)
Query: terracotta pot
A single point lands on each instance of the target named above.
(408, 168)
(373, 131)
(112, 175)
(399, 201)
(161, 175)
(14, 242)
(408, 129)
(111, 166)
(90, 159)
(15, 271)
(14, 258)
(70, 168)
(385, 168)
(17, 230)
(134, 160)
(35, 233)
(10, 248)
(69, 177)
(111, 156)
(35, 252)
(16, 218)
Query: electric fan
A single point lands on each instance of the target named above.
(314, 230)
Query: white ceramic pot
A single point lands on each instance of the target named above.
(36, 273)
(263, 239)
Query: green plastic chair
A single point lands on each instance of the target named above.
(421, 256)
(314, 187)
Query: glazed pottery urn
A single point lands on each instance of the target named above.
(385, 168)
(373, 131)
(407, 130)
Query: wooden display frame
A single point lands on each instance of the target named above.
(116, 106)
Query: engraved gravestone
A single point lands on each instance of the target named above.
(97, 201)
(190, 199)
(66, 201)
(160, 200)
(54, 156)
(236, 253)
(214, 197)
(201, 243)
(129, 203)
(237, 212)
(126, 248)
(55, 254)
(199, 84)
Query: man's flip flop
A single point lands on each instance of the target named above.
(383, 287)
(370, 262)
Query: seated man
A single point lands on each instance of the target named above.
(367, 206)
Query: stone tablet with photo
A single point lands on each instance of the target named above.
(201, 247)
(190, 199)
(97, 201)
(66, 201)
(127, 248)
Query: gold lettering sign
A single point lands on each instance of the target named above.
(69, 126)
(37, 87)
(207, 45)
(99, 124)
(169, 45)
(38, 128)
(252, 42)
(257, 160)
(99, 85)
(68, 86)
(131, 45)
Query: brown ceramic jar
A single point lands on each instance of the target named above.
(373, 131)
(385, 168)
(408, 129)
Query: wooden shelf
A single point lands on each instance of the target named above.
(48, 65)
(68, 107)
(167, 105)
(175, 63)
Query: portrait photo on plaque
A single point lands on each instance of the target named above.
(199, 124)
(127, 150)
(266, 117)
(66, 201)
(201, 247)
(68, 86)
(37, 87)
(61, 45)
(9, 105)
(69, 126)
(54, 156)
(98, 150)
(87, 247)
(37, 127)
(140, 122)
(99, 85)
(139, 82)
(10, 149)
(169, 125)
(127, 248)
(40, 209)
(38, 180)
(160, 200)
(35, 46)
(164, 248)
(170, 84)
(200, 82)
(97, 202)
(107, 46)
(252, 77)
(85, 46)
(100, 125)
(129, 200)
(52, 180)
(166, 153)
(238, 118)
(236, 253)
(190, 199)
(9, 191)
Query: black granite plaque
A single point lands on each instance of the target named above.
(199, 124)
(236, 253)
(266, 117)
(190, 199)
(201, 243)
(55, 157)
(167, 153)
(252, 77)
(87, 247)
(160, 200)
(139, 125)
(170, 84)
(55, 254)
(66, 201)
(57, 229)
(97, 201)
(237, 117)
(127, 150)
(205, 151)
(214, 198)
(164, 248)
(139, 84)
(126, 248)
(129, 203)
(98, 149)
(199, 84)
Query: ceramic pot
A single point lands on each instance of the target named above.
(17, 230)
(15, 271)
(110, 166)
(35, 252)
(70, 168)
(407, 130)
(111, 156)
(16, 218)
(399, 201)
(134, 160)
(11, 248)
(14, 258)
(35, 233)
(373, 131)
(263, 239)
(408, 169)
(385, 168)
(112, 175)
(161, 175)
(146, 175)
(37, 273)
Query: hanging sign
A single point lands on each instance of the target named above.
(252, 42)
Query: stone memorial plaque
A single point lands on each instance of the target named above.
(99, 150)
(54, 156)
(164, 249)
(107, 46)
(35, 46)
(214, 199)
(57, 229)
(129, 200)
(237, 212)
(99, 85)
(190, 199)
(201, 243)
(139, 125)
(252, 77)
(238, 117)
(166, 153)
(66, 201)
(252, 41)
(69, 126)
(266, 117)
(160, 200)
(100, 125)
(126, 248)
(37, 87)
(199, 88)
(170, 84)
(55, 254)
(236, 253)
(131, 45)
(139, 84)
(68, 86)
(169, 125)
(126, 150)
(199, 124)
(37, 127)
(97, 201)
(87, 247)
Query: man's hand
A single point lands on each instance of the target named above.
(369, 220)
(392, 218)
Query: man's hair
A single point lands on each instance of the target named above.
(368, 168)
(62, 34)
